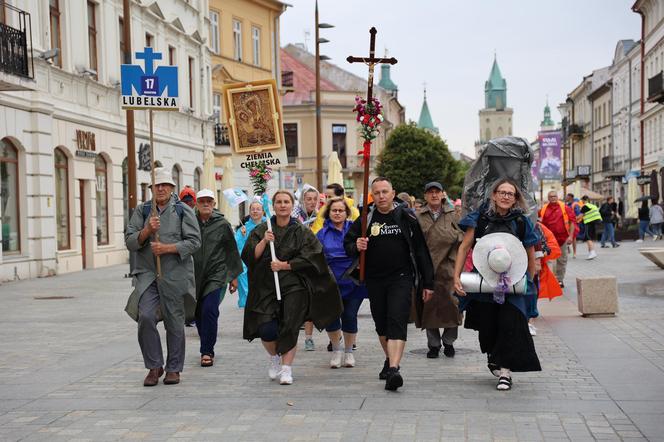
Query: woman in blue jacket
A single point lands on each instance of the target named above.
(241, 234)
(331, 236)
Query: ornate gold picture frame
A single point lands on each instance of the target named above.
(254, 116)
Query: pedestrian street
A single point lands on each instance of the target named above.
(72, 370)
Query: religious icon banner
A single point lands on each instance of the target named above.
(254, 117)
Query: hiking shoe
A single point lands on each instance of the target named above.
(337, 359)
(286, 377)
(448, 350)
(433, 352)
(383, 373)
(394, 379)
(275, 367)
(349, 360)
(309, 345)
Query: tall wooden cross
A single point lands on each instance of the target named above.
(370, 61)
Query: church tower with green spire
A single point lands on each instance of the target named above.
(496, 117)
(426, 122)
(547, 123)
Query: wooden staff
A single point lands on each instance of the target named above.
(153, 212)
(371, 62)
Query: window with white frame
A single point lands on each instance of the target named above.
(256, 44)
(237, 40)
(216, 107)
(214, 32)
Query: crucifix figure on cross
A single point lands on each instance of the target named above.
(371, 61)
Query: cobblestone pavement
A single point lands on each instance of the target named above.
(72, 371)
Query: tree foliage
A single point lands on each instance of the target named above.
(413, 157)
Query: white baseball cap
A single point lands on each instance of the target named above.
(205, 193)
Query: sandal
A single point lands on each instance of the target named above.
(207, 361)
(504, 383)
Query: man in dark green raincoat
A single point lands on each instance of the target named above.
(217, 263)
(170, 295)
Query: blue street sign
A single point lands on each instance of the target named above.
(149, 88)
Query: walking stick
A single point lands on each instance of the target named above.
(153, 211)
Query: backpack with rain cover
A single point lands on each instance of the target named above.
(507, 157)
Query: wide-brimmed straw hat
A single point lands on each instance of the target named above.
(498, 253)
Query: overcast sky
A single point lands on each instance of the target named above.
(543, 48)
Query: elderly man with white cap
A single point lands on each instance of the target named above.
(217, 264)
(172, 234)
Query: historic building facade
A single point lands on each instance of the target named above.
(63, 134)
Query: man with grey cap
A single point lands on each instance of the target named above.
(442, 234)
(173, 236)
(217, 264)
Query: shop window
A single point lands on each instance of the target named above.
(175, 174)
(197, 179)
(101, 184)
(9, 197)
(62, 198)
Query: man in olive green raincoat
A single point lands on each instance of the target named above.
(168, 296)
(217, 263)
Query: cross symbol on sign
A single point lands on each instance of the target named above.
(149, 56)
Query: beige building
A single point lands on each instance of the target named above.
(339, 128)
(244, 46)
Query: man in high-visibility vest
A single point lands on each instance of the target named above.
(591, 217)
(559, 219)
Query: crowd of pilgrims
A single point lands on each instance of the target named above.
(415, 251)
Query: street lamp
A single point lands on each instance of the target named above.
(319, 57)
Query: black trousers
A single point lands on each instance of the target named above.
(390, 300)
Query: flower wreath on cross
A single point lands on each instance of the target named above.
(369, 115)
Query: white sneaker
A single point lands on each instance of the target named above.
(275, 367)
(349, 360)
(592, 255)
(533, 330)
(639, 240)
(286, 375)
(337, 358)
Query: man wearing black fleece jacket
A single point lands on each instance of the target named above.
(397, 259)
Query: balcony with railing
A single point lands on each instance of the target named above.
(221, 135)
(656, 89)
(576, 130)
(16, 63)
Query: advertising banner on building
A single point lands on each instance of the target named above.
(550, 167)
